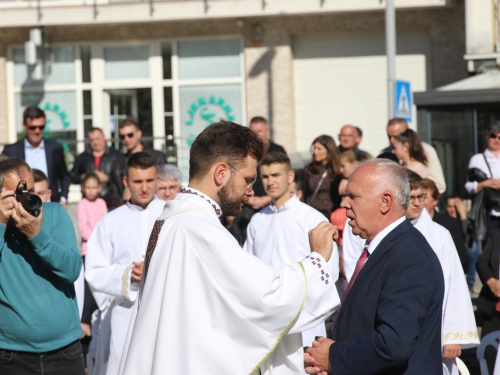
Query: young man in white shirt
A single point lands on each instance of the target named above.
(278, 235)
(115, 258)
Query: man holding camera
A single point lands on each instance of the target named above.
(39, 261)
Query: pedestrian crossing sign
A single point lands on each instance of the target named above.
(404, 100)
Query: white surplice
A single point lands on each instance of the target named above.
(119, 239)
(206, 306)
(459, 324)
(280, 237)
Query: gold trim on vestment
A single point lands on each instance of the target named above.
(125, 279)
(287, 328)
(460, 335)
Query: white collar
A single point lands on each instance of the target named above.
(379, 237)
(29, 146)
(289, 204)
(192, 191)
(139, 208)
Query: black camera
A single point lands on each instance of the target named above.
(31, 202)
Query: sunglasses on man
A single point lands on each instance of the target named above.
(493, 136)
(129, 135)
(33, 128)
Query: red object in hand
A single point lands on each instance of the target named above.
(497, 307)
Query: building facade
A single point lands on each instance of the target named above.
(176, 66)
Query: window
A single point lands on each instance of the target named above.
(197, 82)
(126, 62)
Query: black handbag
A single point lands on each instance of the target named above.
(477, 220)
(491, 196)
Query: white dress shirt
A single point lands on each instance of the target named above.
(35, 156)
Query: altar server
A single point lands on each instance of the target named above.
(206, 306)
(114, 261)
(278, 236)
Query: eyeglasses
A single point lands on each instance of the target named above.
(33, 128)
(495, 136)
(420, 197)
(129, 135)
(249, 181)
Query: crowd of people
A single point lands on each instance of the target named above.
(245, 271)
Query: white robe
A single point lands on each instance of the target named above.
(280, 237)
(459, 324)
(119, 239)
(208, 307)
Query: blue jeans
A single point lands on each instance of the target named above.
(474, 251)
(64, 361)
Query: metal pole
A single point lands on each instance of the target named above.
(390, 48)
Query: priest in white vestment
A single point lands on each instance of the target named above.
(115, 257)
(278, 235)
(459, 330)
(206, 306)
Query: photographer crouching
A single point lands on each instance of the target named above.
(39, 261)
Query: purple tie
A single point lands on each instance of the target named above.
(360, 263)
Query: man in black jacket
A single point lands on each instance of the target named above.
(43, 154)
(130, 135)
(99, 160)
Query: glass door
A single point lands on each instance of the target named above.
(130, 103)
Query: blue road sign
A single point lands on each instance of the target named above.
(404, 100)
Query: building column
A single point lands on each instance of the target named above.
(269, 83)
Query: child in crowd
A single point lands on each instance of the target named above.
(41, 185)
(91, 208)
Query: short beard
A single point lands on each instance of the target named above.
(229, 206)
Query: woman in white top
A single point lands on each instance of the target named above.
(487, 162)
(408, 149)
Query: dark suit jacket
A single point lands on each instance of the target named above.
(454, 226)
(487, 268)
(58, 174)
(390, 321)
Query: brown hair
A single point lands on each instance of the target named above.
(140, 160)
(39, 176)
(415, 145)
(32, 113)
(91, 176)
(276, 157)
(128, 122)
(353, 155)
(223, 141)
(431, 186)
(333, 161)
(414, 179)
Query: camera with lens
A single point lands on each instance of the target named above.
(30, 202)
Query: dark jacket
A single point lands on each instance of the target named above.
(84, 164)
(487, 267)
(118, 169)
(58, 175)
(454, 226)
(390, 320)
